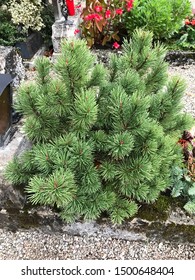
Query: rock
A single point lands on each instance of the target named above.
(61, 31)
(11, 63)
(93, 229)
(10, 196)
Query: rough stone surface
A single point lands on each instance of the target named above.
(10, 196)
(7, 152)
(93, 229)
(61, 31)
(11, 62)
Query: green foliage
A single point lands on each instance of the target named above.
(185, 38)
(162, 17)
(9, 34)
(102, 20)
(183, 185)
(26, 14)
(47, 15)
(183, 178)
(12, 28)
(104, 138)
(3, 2)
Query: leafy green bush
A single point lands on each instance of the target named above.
(183, 177)
(26, 14)
(47, 15)
(185, 38)
(8, 30)
(104, 137)
(162, 17)
(183, 186)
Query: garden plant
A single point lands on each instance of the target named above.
(21, 18)
(183, 177)
(162, 17)
(8, 30)
(104, 138)
(102, 20)
(185, 38)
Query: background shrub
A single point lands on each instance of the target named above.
(185, 38)
(47, 15)
(183, 177)
(162, 17)
(12, 32)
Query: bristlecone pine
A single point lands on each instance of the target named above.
(104, 138)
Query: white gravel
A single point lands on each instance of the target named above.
(187, 72)
(36, 244)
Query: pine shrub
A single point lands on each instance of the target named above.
(104, 138)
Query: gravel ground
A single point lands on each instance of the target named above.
(37, 244)
(40, 243)
(188, 74)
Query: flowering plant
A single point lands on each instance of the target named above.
(101, 20)
(190, 20)
(187, 34)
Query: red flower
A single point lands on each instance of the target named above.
(93, 16)
(89, 17)
(116, 45)
(129, 5)
(187, 21)
(98, 9)
(119, 11)
(78, 6)
(193, 22)
(76, 31)
(107, 14)
(98, 17)
(86, 17)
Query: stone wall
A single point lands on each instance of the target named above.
(11, 62)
